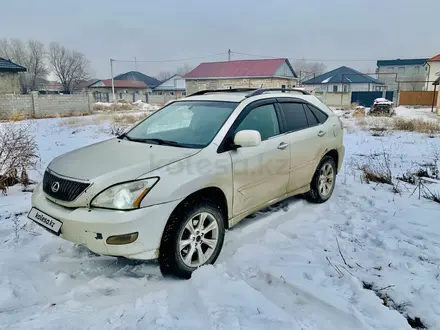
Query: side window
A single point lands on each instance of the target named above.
(295, 116)
(262, 119)
(321, 116)
(312, 120)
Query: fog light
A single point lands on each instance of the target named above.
(122, 239)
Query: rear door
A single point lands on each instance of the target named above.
(306, 134)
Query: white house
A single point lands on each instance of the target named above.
(402, 74)
(174, 86)
(433, 71)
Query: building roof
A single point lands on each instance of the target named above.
(397, 62)
(434, 58)
(343, 74)
(118, 84)
(239, 69)
(173, 83)
(8, 66)
(138, 76)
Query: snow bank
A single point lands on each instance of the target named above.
(281, 269)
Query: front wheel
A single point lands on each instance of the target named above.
(323, 182)
(193, 237)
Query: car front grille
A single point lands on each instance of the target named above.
(62, 189)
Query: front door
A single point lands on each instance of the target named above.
(261, 173)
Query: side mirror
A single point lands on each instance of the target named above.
(247, 138)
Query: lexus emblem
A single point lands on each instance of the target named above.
(55, 187)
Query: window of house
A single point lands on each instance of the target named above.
(283, 86)
(183, 93)
(345, 88)
(390, 69)
(416, 69)
(401, 70)
(171, 93)
(335, 88)
(295, 116)
(262, 119)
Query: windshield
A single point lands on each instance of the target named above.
(189, 124)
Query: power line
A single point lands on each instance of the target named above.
(326, 60)
(175, 60)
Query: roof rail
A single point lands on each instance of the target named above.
(263, 90)
(228, 90)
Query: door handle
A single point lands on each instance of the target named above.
(282, 146)
(321, 133)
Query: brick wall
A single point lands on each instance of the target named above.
(37, 106)
(9, 83)
(11, 104)
(197, 85)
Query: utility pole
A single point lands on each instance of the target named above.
(135, 64)
(229, 55)
(113, 81)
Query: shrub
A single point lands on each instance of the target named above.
(18, 151)
(416, 125)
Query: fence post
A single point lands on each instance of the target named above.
(35, 104)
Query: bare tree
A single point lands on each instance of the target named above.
(164, 75)
(69, 66)
(307, 70)
(31, 55)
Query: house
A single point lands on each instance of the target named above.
(432, 67)
(9, 77)
(151, 82)
(173, 86)
(44, 86)
(344, 79)
(402, 74)
(128, 90)
(241, 74)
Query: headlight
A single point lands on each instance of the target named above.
(124, 196)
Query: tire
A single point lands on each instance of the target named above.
(179, 262)
(317, 194)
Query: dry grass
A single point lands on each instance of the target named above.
(416, 125)
(128, 119)
(17, 116)
(115, 107)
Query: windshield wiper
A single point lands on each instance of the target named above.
(162, 142)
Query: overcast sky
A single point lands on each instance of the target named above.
(338, 32)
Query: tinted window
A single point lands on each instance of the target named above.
(295, 116)
(262, 119)
(322, 117)
(310, 116)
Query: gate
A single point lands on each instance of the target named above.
(366, 99)
(423, 98)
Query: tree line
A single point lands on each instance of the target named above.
(69, 66)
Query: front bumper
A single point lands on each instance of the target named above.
(92, 227)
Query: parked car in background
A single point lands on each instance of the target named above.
(169, 187)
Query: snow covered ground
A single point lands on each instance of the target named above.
(293, 266)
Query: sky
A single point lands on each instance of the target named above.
(164, 35)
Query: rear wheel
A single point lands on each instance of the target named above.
(323, 182)
(193, 237)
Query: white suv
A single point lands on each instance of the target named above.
(169, 187)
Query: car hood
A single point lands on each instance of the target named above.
(121, 159)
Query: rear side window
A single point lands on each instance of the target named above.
(320, 115)
(295, 116)
(313, 121)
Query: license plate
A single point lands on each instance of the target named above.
(45, 220)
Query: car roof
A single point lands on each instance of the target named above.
(242, 95)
